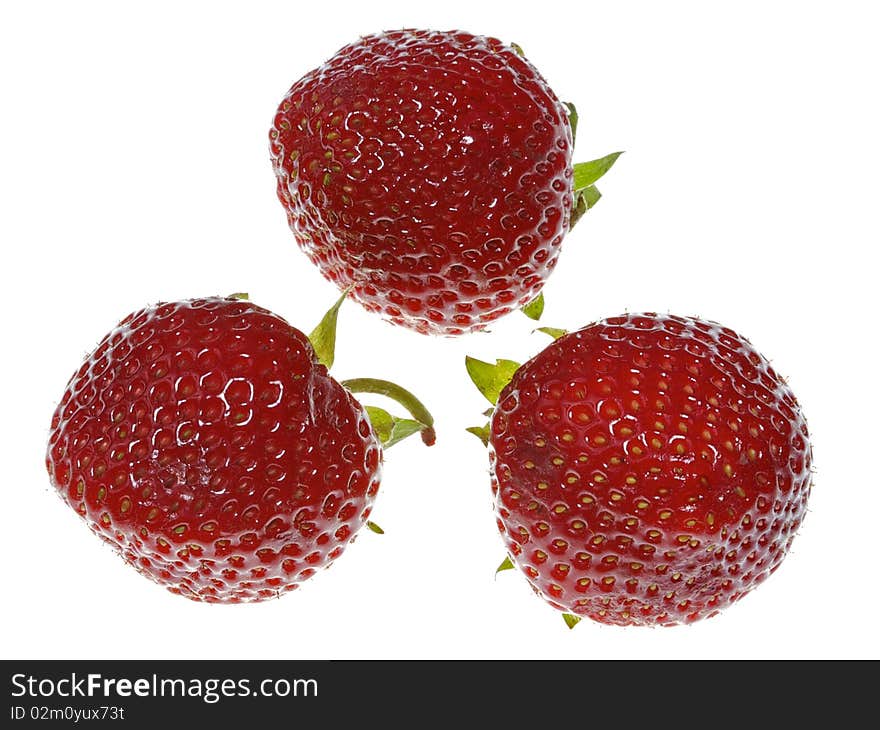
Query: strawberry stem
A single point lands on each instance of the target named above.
(402, 396)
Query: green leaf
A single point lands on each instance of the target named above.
(481, 432)
(506, 564)
(519, 51)
(241, 295)
(584, 200)
(489, 412)
(491, 379)
(572, 119)
(375, 528)
(554, 332)
(391, 429)
(402, 428)
(571, 620)
(586, 173)
(323, 337)
(578, 209)
(535, 308)
(381, 421)
(590, 195)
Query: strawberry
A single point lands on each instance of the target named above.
(207, 443)
(645, 469)
(430, 173)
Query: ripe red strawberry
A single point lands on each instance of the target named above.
(205, 442)
(647, 469)
(430, 173)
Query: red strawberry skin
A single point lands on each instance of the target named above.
(204, 442)
(430, 172)
(648, 469)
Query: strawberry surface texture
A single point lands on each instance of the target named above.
(206, 444)
(428, 172)
(648, 469)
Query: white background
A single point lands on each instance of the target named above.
(134, 164)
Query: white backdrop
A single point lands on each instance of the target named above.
(135, 168)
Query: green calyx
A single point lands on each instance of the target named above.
(490, 379)
(323, 337)
(571, 620)
(585, 174)
(373, 527)
(585, 195)
(506, 564)
(572, 119)
(481, 432)
(554, 332)
(535, 308)
(388, 428)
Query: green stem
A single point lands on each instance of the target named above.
(406, 399)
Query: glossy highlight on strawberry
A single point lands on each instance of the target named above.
(648, 469)
(204, 441)
(430, 173)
